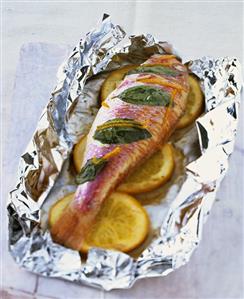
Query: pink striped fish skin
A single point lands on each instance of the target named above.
(160, 121)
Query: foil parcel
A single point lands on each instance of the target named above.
(44, 172)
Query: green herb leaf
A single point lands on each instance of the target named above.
(90, 170)
(145, 95)
(155, 69)
(121, 131)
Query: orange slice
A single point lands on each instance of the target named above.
(154, 172)
(121, 224)
(113, 80)
(78, 153)
(194, 105)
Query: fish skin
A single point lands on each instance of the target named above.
(72, 227)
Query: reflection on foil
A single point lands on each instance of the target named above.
(68, 116)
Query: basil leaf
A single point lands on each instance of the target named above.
(90, 170)
(155, 69)
(145, 95)
(121, 131)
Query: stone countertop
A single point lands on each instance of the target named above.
(195, 29)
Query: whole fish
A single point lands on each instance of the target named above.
(133, 122)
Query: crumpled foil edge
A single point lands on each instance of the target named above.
(52, 143)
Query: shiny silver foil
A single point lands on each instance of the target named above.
(44, 171)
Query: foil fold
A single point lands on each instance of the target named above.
(69, 114)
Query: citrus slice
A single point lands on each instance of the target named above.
(121, 224)
(194, 105)
(78, 153)
(58, 208)
(153, 173)
(113, 80)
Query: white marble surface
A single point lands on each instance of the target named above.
(196, 29)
